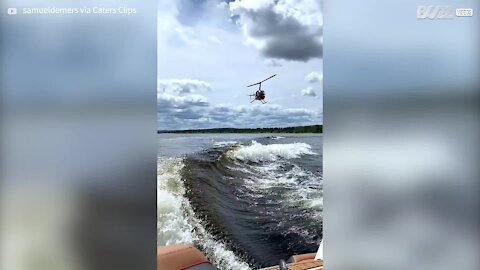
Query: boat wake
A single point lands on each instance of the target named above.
(245, 206)
(177, 223)
(257, 152)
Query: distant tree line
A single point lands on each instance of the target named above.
(300, 129)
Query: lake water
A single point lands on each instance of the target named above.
(246, 200)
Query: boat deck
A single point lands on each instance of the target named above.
(300, 266)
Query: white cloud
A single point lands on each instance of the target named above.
(214, 39)
(272, 63)
(167, 101)
(282, 29)
(182, 86)
(169, 30)
(314, 77)
(193, 111)
(309, 92)
(188, 48)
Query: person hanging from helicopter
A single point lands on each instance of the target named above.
(260, 94)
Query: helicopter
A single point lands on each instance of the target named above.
(259, 94)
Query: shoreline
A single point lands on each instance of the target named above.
(313, 129)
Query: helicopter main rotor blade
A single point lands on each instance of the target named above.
(269, 78)
(262, 81)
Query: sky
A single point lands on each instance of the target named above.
(210, 50)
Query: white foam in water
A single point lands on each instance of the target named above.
(172, 227)
(317, 203)
(176, 221)
(299, 181)
(226, 143)
(257, 152)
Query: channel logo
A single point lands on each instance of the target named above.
(435, 12)
(464, 12)
(12, 11)
(442, 12)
